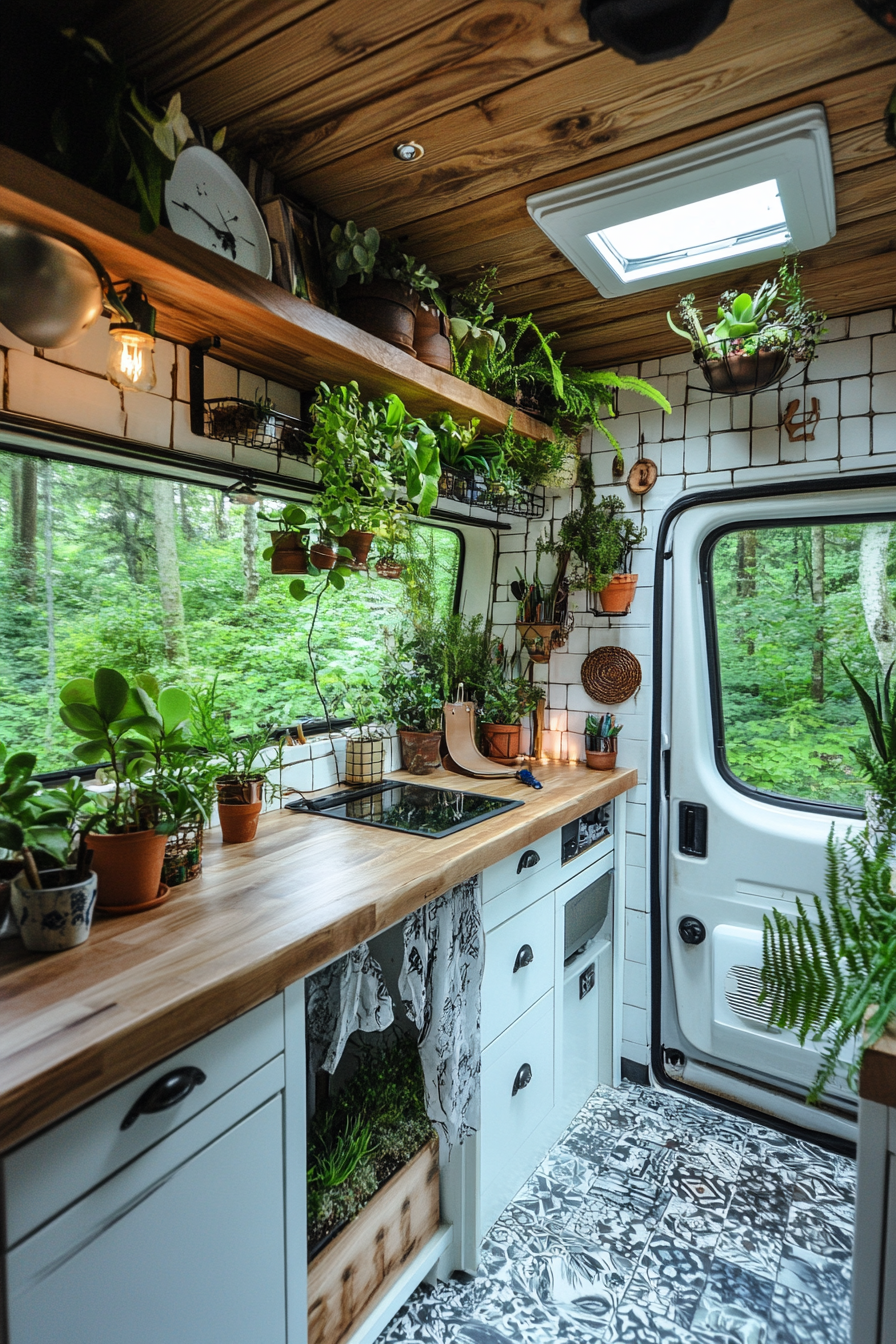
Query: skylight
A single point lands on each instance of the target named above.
(716, 228)
(745, 195)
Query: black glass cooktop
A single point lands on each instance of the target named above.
(414, 808)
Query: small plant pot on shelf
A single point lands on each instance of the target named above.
(239, 821)
(58, 915)
(128, 867)
(431, 338)
(501, 741)
(616, 598)
(388, 568)
(359, 543)
(323, 556)
(364, 760)
(370, 1253)
(600, 760)
(420, 752)
(385, 308)
(290, 554)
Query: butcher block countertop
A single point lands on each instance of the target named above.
(262, 915)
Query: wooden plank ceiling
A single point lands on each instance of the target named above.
(509, 97)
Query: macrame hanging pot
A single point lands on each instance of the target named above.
(653, 30)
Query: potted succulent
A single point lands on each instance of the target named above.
(414, 703)
(132, 727)
(601, 539)
(241, 783)
(505, 702)
(601, 734)
(751, 344)
(365, 743)
(46, 878)
(380, 285)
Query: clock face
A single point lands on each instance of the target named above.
(207, 203)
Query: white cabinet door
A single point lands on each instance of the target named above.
(198, 1259)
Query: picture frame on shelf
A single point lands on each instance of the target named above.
(297, 258)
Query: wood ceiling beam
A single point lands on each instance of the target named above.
(562, 117)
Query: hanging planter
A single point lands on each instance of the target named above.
(290, 553)
(387, 567)
(616, 598)
(732, 372)
(540, 639)
(359, 543)
(323, 555)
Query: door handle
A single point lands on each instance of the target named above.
(523, 1078)
(164, 1092)
(528, 860)
(524, 957)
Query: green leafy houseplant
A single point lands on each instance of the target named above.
(508, 699)
(598, 536)
(414, 703)
(353, 253)
(749, 324)
(43, 821)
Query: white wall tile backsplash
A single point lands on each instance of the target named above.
(706, 443)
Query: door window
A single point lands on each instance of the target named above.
(787, 604)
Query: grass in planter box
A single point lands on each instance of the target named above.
(361, 1137)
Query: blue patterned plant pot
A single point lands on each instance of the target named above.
(56, 917)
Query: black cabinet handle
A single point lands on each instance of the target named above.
(524, 957)
(164, 1092)
(523, 1078)
(691, 930)
(528, 860)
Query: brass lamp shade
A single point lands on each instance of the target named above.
(50, 294)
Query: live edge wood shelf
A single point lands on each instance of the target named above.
(261, 916)
(262, 328)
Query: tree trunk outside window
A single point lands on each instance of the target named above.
(250, 553)
(817, 688)
(880, 612)
(169, 571)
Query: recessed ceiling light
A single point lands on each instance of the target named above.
(409, 151)
(748, 194)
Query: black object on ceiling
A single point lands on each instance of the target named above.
(653, 30)
(882, 11)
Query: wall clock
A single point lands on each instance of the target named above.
(207, 203)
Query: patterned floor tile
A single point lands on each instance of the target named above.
(657, 1220)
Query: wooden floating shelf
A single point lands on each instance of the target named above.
(262, 328)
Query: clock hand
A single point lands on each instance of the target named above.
(184, 205)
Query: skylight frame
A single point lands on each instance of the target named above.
(792, 148)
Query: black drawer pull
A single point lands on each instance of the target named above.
(524, 957)
(528, 860)
(523, 1078)
(164, 1092)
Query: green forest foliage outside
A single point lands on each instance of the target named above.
(788, 608)
(98, 528)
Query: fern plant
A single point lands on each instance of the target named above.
(832, 969)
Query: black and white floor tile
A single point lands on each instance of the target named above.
(657, 1220)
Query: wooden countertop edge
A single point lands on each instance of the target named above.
(59, 1074)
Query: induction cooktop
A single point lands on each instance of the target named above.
(413, 808)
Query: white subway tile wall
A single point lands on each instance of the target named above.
(706, 443)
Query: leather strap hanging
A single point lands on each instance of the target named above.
(460, 738)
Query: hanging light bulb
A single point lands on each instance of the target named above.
(130, 364)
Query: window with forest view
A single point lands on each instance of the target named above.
(101, 567)
(790, 603)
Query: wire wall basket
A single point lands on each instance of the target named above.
(235, 420)
(466, 487)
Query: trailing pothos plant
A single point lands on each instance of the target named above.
(364, 254)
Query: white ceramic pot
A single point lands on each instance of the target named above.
(56, 917)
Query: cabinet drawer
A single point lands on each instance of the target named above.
(508, 1118)
(519, 966)
(42, 1177)
(540, 854)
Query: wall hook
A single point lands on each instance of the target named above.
(799, 431)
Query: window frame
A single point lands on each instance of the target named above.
(713, 662)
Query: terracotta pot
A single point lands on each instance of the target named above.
(364, 760)
(738, 373)
(618, 594)
(389, 569)
(290, 555)
(601, 760)
(323, 556)
(359, 543)
(128, 866)
(56, 916)
(234, 789)
(420, 753)
(385, 308)
(431, 338)
(501, 741)
(239, 821)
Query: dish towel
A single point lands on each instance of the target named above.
(348, 995)
(440, 986)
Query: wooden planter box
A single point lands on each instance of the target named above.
(350, 1275)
